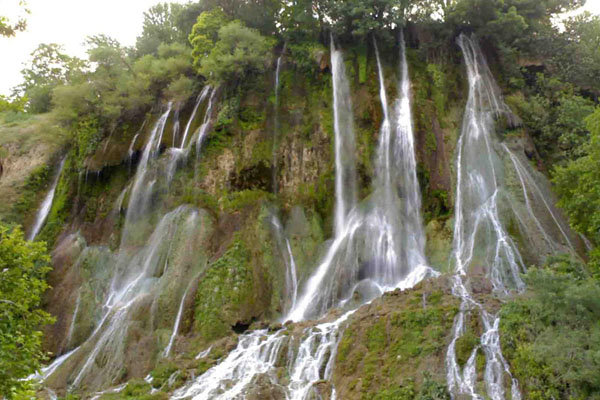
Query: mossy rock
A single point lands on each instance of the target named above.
(396, 345)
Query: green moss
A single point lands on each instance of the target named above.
(395, 339)
(464, 347)
(34, 185)
(135, 390)
(225, 289)
(237, 200)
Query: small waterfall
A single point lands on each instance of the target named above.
(176, 126)
(44, 210)
(277, 124)
(259, 352)
(201, 97)
(141, 190)
(291, 278)
(177, 321)
(203, 130)
(484, 208)
(73, 320)
(343, 125)
(532, 189)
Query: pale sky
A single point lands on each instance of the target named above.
(68, 22)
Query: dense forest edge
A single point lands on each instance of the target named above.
(78, 127)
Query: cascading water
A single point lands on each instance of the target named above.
(177, 321)
(291, 275)
(387, 234)
(199, 100)
(484, 208)
(44, 210)
(371, 234)
(343, 125)
(147, 271)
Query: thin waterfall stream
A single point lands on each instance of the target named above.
(46, 205)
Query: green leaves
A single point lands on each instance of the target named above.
(239, 51)
(577, 184)
(23, 267)
(551, 337)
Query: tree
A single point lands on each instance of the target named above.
(49, 68)
(205, 33)
(23, 267)
(166, 23)
(8, 28)
(578, 186)
(239, 51)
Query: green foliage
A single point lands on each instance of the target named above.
(551, 336)
(577, 185)
(135, 390)
(388, 346)
(240, 51)
(9, 28)
(555, 117)
(166, 23)
(205, 34)
(223, 291)
(16, 104)
(23, 268)
(49, 68)
(34, 184)
(464, 347)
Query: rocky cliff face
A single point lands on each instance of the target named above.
(211, 248)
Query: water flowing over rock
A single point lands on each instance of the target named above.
(370, 232)
(46, 205)
(487, 204)
(380, 246)
(343, 125)
(129, 301)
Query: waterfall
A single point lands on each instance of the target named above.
(343, 125)
(370, 233)
(479, 232)
(201, 97)
(176, 126)
(44, 210)
(291, 276)
(379, 247)
(73, 320)
(149, 269)
(177, 321)
(485, 206)
(277, 124)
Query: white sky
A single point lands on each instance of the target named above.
(68, 22)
